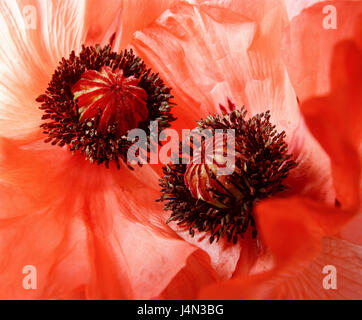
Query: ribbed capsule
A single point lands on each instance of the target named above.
(207, 176)
(119, 99)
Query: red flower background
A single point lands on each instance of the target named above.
(97, 233)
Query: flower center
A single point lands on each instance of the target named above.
(95, 98)
(201, 198)
(118, 99)
(206, 179)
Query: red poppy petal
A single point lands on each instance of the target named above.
(128, 255)
(131, 16)
(188, 282)
(303, 221)
(39, 229)
(315, 281)
(69, 198)
(223, 255)
(287, 228)
(309, 282)
(99, 17)
(352, 230)
(51, 242)
(335, 121)
(240, 288)
(308, 58)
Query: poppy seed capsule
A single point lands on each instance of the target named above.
(119, 99)
(208, 175)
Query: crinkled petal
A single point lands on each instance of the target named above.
(310, 282)
(35, 35)
(99, 18)
(188, 282)
(313, 282)
(128, 255)
(186, 38)
(132, 15)
(39, 227)
(223, 255)
(85, 217)
(52, 241)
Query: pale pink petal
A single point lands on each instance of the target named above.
(300, 283)
(223, 255)
(133, 15)
(296, 7)
(345, 257)
(35, 35)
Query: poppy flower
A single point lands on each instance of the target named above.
(94, 232)
(260, 61)
(314, 236)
